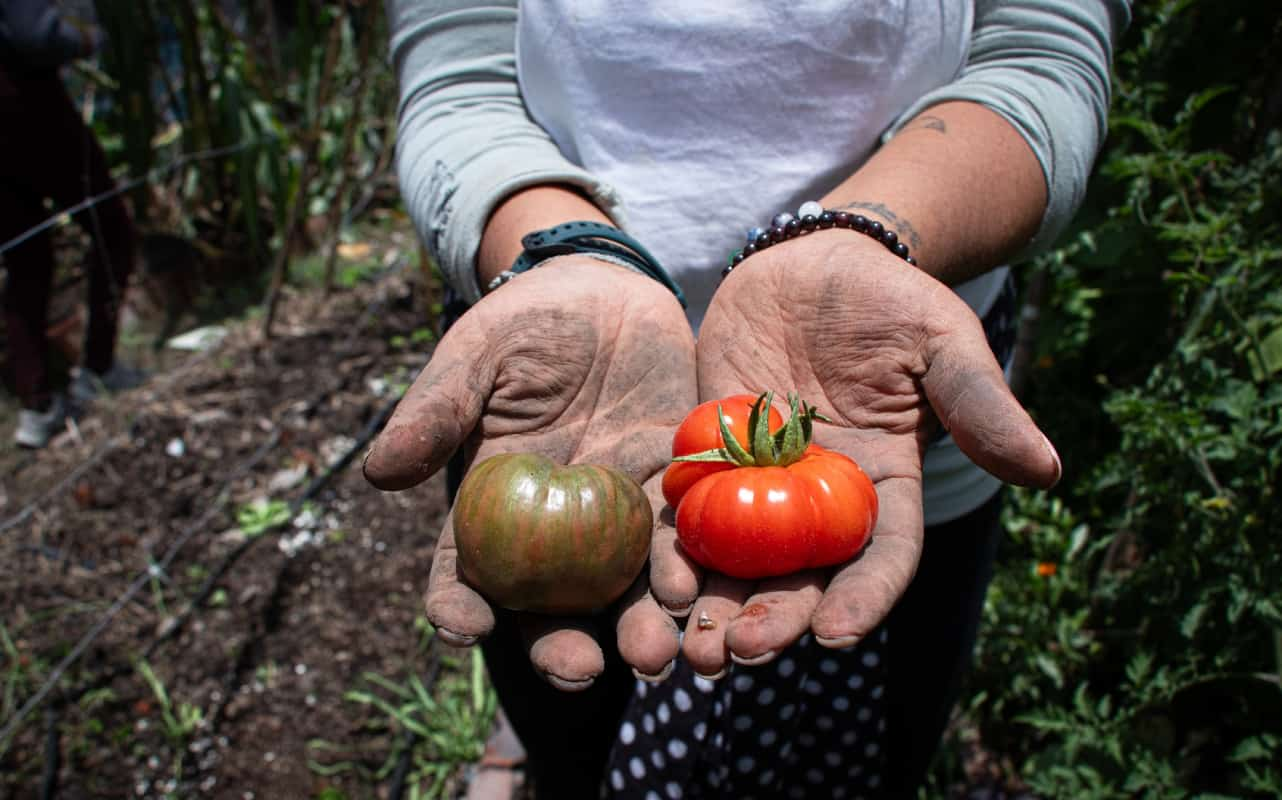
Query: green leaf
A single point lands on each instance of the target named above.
(736, 451)
(1048, 666)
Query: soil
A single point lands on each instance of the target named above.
(283, 624)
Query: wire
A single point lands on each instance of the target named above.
(132, 183)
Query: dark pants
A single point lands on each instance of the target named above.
(932, 636)
(48, 153)
(932, 632)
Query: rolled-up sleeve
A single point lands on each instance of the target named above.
(464, 139)
(1043, 65)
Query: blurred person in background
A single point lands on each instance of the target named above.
(47, 152)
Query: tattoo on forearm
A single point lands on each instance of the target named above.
(929, 123)
(903, 227)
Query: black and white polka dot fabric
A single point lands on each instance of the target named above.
(808, 724)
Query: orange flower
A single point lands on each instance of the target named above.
(1046, 569)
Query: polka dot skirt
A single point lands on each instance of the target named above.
(808, 724)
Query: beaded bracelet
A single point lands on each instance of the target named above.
(600, 241)
(812, 216)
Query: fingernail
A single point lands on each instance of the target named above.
(684, 611)
(658, 678)
(836, 642)
(455, 639)
(716, 676)
(1059, 467)
(752, 661)
(568, 685)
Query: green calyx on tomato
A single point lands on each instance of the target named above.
(772, 504)
(533, 535)
(764, 447)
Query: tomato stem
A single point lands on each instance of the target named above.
(763, 448)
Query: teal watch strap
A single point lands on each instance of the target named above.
(590, 238)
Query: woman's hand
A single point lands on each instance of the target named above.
(887, 353)
(578, 360)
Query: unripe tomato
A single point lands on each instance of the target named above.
(698, 432)
(536, 536)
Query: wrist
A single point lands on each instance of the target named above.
(596, 240)
(531, 209)
(812, 219)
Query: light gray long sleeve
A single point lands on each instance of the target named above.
(1044, 66)
(465, 141)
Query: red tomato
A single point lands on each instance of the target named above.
(810, 508)
(699, 431)
(756, 522)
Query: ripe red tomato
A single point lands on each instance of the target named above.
(698, 432)
(802, 507)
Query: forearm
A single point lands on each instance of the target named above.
(528, 210)
(1015, 135)
(465, 142)
(958, 184)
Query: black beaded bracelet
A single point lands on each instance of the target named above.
(810, 217)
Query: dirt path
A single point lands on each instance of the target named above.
(254, 640)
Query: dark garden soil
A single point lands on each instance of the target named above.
(261, 635)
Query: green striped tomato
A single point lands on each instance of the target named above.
(533, 535)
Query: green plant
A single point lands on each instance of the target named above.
(438, 731)
(1148, 661)
(257, 517)
(178, 722)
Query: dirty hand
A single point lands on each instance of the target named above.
(887, 353)
(580, 361)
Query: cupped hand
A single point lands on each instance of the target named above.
(887, 353)
(578, 360)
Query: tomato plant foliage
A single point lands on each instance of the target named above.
(1132, 645)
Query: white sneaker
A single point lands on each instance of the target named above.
(87, 384)
(35, 428)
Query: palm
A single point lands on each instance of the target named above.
(882, 350)
(578, 361)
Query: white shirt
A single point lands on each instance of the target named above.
(466, 139)
(663, 101)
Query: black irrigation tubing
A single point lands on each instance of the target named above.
(314, 488)
(139, 582)
(225, 564)
(53, 756)
(372, 428)
(170, 630)
(244, 654)
(138, 180)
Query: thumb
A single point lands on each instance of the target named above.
(438, 411)
(969, 394)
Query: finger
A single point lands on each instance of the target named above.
(704, 643)
(775, 616)
(438, 411)
(563, 651)
(674, 576)
(862, 592)
(648, 637)
(461, 615)
(966, 389)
